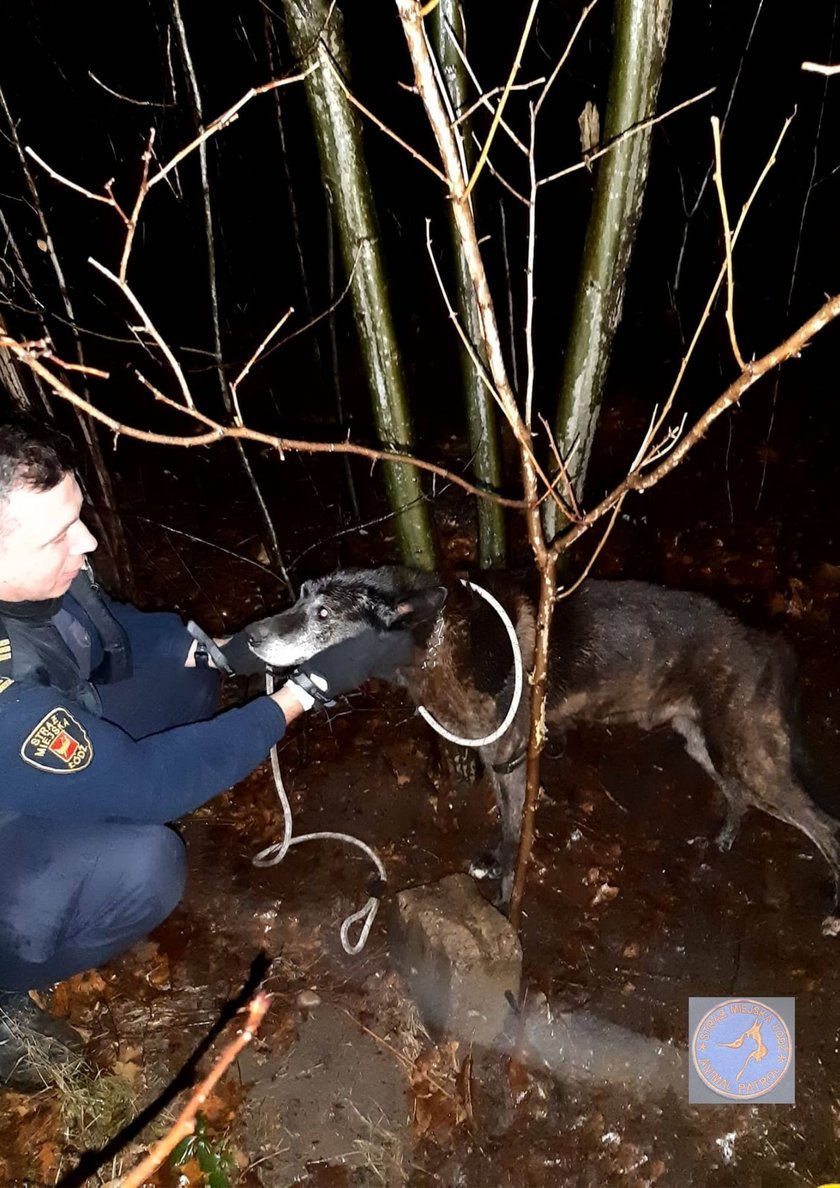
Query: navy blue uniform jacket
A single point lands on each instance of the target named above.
(62, 761)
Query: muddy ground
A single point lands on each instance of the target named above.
(630, 906)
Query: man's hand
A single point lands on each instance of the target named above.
(231, 656)
(346, 665)
(240, 659)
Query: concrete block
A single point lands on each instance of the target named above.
(459, 957)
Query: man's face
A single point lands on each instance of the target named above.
(43, 541)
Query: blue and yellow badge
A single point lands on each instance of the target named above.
(742, 1049)
(58, 744)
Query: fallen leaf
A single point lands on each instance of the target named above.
(127, 1070)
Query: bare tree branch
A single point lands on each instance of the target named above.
(184, 1124)
(218, 432)
(816, 68)
(727, 243)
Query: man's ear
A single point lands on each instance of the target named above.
(418, 607)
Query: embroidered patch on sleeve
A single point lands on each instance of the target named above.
(5, 650)
(58, 744)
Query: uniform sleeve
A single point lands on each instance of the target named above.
(62, 762)
(152, 634)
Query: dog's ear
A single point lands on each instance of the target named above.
(305, 590)
(418, 606)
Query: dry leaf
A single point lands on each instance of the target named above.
(604, 894)
(127, 1070)
(47, 1158)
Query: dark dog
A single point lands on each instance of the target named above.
(620, 652)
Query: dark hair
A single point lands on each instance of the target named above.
(32, 455)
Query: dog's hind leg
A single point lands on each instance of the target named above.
(755, 769)
(799, 810)
(736, 798)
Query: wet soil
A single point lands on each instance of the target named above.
(630, 906)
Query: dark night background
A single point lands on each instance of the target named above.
(785, 262)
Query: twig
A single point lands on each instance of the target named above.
(211, 544)
(217, 432)
(403, 1059)
(768, 165)
(587, 569)
(108, 199)
(125, 98)
(816, 68)
(532, 212)
(226, 118)
(530, 368)
(562, 471)
(184, 1124)
(325, 313)
(511, 189)
(564, 55)
(479, 165)
(727, 243)
(383, 127)
(252, 361)
(632, 131)
(96, 372)
(483, 100)
(791, 348)
(484, 96)
(150, 329)
(479, 366)
(116, 539)
(131, 222)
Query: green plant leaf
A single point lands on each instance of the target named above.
(183, 1152)
(207, 1159)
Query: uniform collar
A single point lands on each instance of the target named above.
(40, 611)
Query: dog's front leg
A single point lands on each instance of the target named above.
(509, 791)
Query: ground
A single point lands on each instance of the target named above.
(630, 909)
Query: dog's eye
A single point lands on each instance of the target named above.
(323, 613)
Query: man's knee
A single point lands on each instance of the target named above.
(75, 895)
(156, 862)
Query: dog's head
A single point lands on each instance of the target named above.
(340, 606)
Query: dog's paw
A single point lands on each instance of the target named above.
(726, 837)
(485, 867)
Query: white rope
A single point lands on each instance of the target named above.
(517, 680)
(274, 854)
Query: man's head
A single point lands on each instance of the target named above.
(43, 541)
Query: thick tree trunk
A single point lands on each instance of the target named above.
(315, 35)
(641, 34)
(482, 426)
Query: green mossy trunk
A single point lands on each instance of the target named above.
(315, 34)
(482, 423)
(640, 38)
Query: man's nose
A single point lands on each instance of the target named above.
(84, 541)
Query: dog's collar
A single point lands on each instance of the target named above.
(511, 764)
